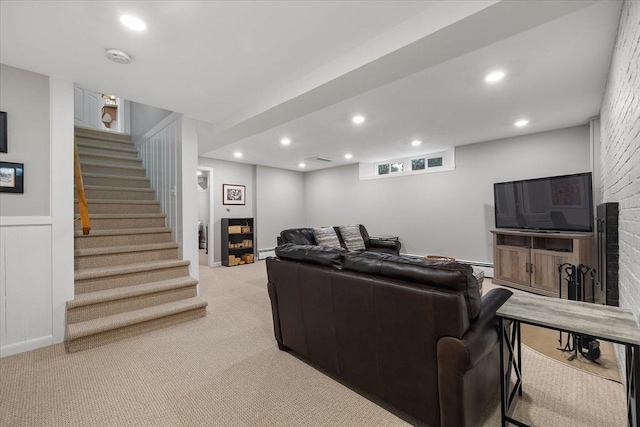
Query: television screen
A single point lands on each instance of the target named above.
(557, 203)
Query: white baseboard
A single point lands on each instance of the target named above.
(21, 347)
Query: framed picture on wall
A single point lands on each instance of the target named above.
(233, 194)
(3, 132)
(11, 177)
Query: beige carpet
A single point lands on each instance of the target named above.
(225, 370)
(545, 341)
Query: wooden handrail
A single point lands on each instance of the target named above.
(82, 199)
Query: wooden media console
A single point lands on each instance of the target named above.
(529, 260)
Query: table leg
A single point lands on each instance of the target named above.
(519, 359)
(513, 343)
(503, 392)
(633, 380)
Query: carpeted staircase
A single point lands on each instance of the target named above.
(128, 277)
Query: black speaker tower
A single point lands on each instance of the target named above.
(608, 252)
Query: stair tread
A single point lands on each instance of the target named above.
(104, 175)
(94, 131)
(116, 321)
(121, 201)
(100, 138)
(109, 188)
(91, 146)
(115, 294)
(109, 156)
(101, 272)
(124, 249)
(107, 165)
(123, 231)
(126, 215)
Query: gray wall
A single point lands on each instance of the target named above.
(620, 153)
(203, 206)
(144, 118)
(448, 213)
(229, 173)
(280, 203)
(25, 99)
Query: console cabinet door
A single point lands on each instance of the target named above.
(545, 270)
(511, 264)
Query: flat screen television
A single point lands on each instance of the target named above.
(556, 203)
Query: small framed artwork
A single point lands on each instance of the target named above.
(233, 194)
(11, 177)
(3, 132)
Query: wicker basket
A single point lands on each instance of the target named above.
(439, 258)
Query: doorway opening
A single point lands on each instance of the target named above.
(205, 216)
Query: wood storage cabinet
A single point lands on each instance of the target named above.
(529, 260)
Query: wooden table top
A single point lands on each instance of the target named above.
(601, 321)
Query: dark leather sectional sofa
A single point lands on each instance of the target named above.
(415, 333)
(305, 236)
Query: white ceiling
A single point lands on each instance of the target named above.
(253, 72)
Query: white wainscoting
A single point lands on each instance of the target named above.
(171, 161)
(26, 288)
(160, 150)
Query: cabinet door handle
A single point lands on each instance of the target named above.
(526, 267)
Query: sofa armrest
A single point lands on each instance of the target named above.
(386, 244)
(483, 333)
(468, 368)
(273, 296)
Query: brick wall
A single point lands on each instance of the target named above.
(620, 149)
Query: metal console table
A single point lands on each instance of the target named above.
(603, 322)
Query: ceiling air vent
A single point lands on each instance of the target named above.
(318, 159)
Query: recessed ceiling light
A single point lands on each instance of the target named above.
(416, 142)
(358, 119)
(199, 172)
(132, 22)
(302, 165)
(237, 154)
(521, 123)
(494, 76)
(348, 156)
(285, 141)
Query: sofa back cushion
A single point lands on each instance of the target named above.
(447, 275)
(320, 255)
(326, 236)
(352, 237)
(298, 236)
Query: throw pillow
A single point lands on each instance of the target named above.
(326, 236)
(352, 237)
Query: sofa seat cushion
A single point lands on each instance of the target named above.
(352, 237)
(320, 255)
(326, 236)
(446, 275)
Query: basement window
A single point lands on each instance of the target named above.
(417, 164)
(383, 169)
(440, 161)
(434, 162)
(397, 167)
